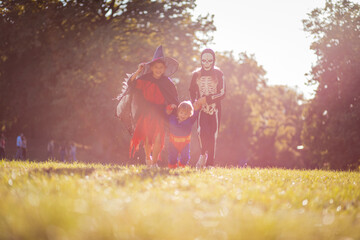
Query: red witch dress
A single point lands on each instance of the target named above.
(156, 94)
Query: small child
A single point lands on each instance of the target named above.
(180, 125)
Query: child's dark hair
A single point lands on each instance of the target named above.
(187, 106)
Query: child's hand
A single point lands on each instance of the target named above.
(196, 105)
(138, 71)
(170, 108)
(199, 103)
(140, 67)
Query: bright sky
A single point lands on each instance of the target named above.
(272, 31)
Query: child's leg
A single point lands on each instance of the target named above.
(213, 132)
(185, 156)
(173, 156)
(147, 149)
(156, 149)
(203, 134)
(208, 135)
(204, 131)
(211, 151)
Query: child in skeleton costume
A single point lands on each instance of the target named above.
(208, 82)
(151, 90)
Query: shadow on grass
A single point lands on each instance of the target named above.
(146, 174)
(161, 172)
(64, 171)
(142, 173)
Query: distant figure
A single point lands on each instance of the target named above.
(23, 147)
(19, 146)
(2, 146)
(243, 163)
(51, 149)
(72, 152)
(62, 151)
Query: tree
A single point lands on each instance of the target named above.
(260, 124)
(244, 78)
(332, 131)
(276, 120)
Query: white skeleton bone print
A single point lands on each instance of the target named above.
(207, 86)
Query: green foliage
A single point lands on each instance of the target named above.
(332, 133)
(78, 201)
(260, 124)
(62, 62)
(277, 123)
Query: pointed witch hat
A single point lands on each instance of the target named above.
(171, 64)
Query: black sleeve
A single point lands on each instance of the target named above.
(174, 98)
(169, 91)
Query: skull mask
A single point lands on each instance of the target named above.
(207, 59)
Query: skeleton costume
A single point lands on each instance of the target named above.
(208, 81)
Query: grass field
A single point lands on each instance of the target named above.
(78, 201)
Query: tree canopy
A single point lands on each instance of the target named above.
(260, 125)
(332, 130)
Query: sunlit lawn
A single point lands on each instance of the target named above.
(77, 201)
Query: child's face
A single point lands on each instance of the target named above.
(158, 69)
(182, 114)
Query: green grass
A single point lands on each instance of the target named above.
(78, 201)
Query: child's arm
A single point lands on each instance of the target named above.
(138, 71)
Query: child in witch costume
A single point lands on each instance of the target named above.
(155, 91)
(180, 125)
(208, 82)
